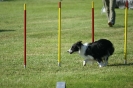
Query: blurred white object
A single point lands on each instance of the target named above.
(103, 10)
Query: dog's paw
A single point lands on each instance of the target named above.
(101, 64)
(84, 63)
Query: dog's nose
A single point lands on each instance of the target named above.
(69, 51)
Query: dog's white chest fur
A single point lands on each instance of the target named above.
(83, 50)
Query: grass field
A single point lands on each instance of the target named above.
(42, 69)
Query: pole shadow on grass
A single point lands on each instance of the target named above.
(120, 64)
(6, 30)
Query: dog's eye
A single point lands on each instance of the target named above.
(73, 47)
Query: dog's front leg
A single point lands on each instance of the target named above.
(85, 61)
(88, 58)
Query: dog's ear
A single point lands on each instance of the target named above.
(79, 44)
(79, 41)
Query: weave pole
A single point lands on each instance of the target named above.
(59, 34)
(125, 32)
(92, 21)
(24, 35)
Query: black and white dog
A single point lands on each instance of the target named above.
(99, 51)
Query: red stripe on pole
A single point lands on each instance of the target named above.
(25, 37)
(126, 3)
(59, 4)
(92, 24)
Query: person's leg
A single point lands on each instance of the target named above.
(106, 5)
(112, 11)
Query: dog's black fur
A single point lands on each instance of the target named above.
(99, 49)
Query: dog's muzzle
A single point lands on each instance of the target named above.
(70, 51)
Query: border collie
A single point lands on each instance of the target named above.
(99, 51)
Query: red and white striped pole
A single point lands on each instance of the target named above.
(24, 35)
(125, 32)
(92, 21)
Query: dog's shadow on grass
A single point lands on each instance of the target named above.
(120, 64)
(6, 30)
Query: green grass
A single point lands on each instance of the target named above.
(42, 70)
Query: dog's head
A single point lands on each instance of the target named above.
(75, 47)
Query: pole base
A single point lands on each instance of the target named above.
(125, 61)
(24, 66)
(59, 64)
